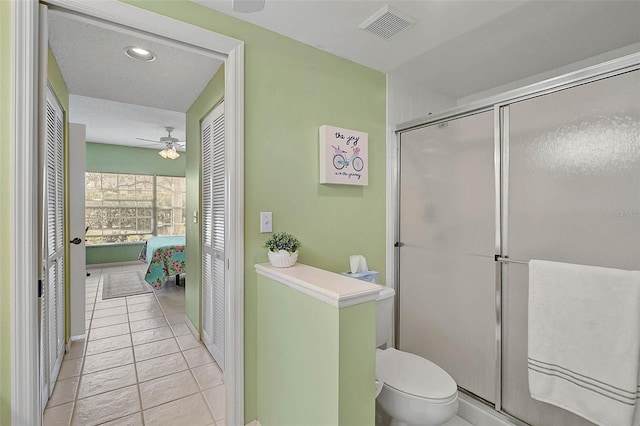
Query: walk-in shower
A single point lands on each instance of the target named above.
(549, 172)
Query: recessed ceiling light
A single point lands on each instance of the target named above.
(139, 53)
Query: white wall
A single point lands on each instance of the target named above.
(595, 60)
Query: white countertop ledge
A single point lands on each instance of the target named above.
(331, 288)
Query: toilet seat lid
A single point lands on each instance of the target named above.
(414, 375)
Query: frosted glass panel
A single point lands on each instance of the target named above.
(574, 197)
(447, 272)
(575, 175)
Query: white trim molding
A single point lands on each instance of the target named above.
(333, 289)
(25, 405)
(234, 244)
(24, 332)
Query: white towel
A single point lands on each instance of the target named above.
(584, 340)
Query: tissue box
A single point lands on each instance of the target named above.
(370, 276)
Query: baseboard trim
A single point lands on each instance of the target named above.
(192, 328)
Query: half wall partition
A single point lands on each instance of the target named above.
(552, 173)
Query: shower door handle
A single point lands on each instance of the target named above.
(505, 259)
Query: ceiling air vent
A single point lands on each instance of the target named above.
(387, 23)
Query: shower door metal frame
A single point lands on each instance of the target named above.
(500, 105)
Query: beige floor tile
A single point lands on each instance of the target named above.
(106, 406)
(110, 331)
(106, 360)
(76, 351)
(168, 388)
(170, 311)
(197, 357)
(208, 375)
(143, 306)
(106, 380)
(70, 368)
(152, 335)
(191, 411)
(156, 349)
(176, 319)
(107, 321)
(58, 416)
(217, 401)
(108, 344)
(111, 303)
(187, 341)
(63, 392)
(101, 313)
(146, 314)
(140, 298)
(180, 329)
(161, 366)
(147, 324)
(131, 420)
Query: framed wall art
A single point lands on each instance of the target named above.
(344, 156)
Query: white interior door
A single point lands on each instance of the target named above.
(77, 255)
(213, 233)
(52, 339)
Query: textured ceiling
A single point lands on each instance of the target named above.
(116, 97)
(120, 124)
(457, 47)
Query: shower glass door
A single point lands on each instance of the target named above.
(447, 233)
(574, 197)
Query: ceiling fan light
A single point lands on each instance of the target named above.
(169, 153)
(173, 154)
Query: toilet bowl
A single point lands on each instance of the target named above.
(411, 390)
(415, 391)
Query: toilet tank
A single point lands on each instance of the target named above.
(384, 318)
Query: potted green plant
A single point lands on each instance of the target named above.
(282, 249)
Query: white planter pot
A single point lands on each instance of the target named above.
(282, 259)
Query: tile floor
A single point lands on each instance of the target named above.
(140, 365)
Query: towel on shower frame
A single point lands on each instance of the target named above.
(584, 340)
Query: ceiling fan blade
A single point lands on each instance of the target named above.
(148, 140)
(149, 145)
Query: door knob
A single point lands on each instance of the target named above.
(76, 240)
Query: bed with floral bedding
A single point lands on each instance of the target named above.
(165, 256)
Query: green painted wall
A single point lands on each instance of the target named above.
(316, 363)
(115, 253)
(290, 90)
(6, 181)
(125, 159)
(209, 97)
(356, 405)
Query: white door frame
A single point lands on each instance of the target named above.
(24, 142)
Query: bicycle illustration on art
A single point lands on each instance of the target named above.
(344, 156)
(340, 161)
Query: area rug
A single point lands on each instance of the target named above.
(120, 284)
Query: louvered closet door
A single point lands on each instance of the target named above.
(52, 303)
(213, 233)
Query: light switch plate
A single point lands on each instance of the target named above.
(266, 222)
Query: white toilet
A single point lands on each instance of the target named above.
(411, 390)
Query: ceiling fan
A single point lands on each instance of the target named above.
(170, 143)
